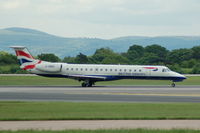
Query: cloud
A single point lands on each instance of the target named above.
(103, 18)
(12, 4)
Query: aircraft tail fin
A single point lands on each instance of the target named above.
(26, 60)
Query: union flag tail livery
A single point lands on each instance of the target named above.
(26, 60)
(91, 73)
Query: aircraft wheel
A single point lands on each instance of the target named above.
(89, 84)
(83, 84)
(173, 84)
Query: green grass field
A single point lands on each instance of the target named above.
(37, 80)
(108, 131)
(97, 111)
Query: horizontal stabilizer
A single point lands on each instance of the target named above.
(18, 47)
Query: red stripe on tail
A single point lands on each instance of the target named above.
(22, 53)
(31, 66)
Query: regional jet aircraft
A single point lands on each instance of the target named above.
(90, 73)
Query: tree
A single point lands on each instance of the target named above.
(196, 69)
(14, 69)
(107, 56)
(179, 55)
(134, 53)
(81, 59)
(189, 64)
(115, 59)
(196, 52)
(158, 51)
(69, 59)
(176, 68)
(49, 57)
(149, 59)
(7, 59)
(1, 70)
(101, 54)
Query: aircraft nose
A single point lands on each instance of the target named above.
(178, 77)
(182, 77)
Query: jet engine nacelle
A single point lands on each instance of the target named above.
(49, 67)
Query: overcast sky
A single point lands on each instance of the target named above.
(103, 18)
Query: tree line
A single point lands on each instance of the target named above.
(184, 60)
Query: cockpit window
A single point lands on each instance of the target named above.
(165, 70)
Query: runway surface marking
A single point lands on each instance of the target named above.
(139, 94)
(99, 124)
(153, 94)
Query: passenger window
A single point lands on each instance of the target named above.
(129, 70)
(72, 69)
(96, 69)
(120, 70)
(81, 69)
(140, 70)
(85, 69)
(106, 69)
(110, 69)
(115, 69)
(101, 69)
(134, 70)
(67, 68)
(124, 70)
(91, 69)
(76, 69)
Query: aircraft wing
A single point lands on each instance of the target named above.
(83, 77)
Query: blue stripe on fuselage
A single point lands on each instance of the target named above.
(110, 77)
(114, 77)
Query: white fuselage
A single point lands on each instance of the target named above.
(109, 72)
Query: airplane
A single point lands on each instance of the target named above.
(91, 73)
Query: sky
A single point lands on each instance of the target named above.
(103, 18)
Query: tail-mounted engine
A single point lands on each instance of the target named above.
(49, 67)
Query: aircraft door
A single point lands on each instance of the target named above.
(61, 66)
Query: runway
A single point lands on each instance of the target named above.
(99, 124)
(101, 93)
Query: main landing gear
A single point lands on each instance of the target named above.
(87, 84)
(173, 84)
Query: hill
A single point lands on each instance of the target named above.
(41, 42)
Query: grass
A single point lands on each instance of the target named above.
(97, 111)
(109, 131)
(37, 80)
